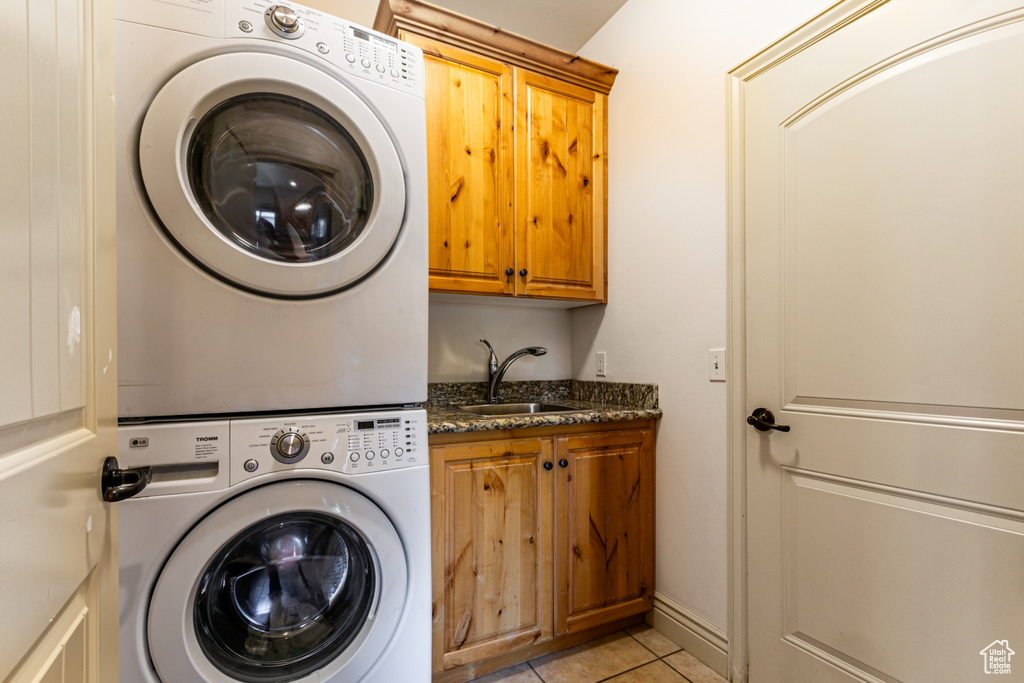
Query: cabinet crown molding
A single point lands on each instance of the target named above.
(445, 25)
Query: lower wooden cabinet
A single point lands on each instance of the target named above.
(604, 527)
(538, 535)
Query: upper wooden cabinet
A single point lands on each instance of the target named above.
(516, 148)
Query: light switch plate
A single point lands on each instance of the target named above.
(716, 365)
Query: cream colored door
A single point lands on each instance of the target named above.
(58, 404)
(878, 233)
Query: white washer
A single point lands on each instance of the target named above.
(271, 211)
(277, 549)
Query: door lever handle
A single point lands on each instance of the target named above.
(763, 421)
(118, 484)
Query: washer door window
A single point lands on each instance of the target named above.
(272, 175)
(293, 581)
(284, 597)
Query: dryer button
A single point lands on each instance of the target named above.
(245, 26)
(322, 48)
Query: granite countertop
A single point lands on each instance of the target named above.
(592, 401)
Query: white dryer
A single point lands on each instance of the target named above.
(271, 211)
(277, 549)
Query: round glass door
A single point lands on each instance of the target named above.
(297, 580)
(272, 175)
(284, 597)
(280, 178)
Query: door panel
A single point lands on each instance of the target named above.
(899, 184)
(57, 375)
(881, 205)
(875, 554)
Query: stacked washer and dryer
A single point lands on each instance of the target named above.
(272, 315)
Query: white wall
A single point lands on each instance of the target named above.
(667, 257)
(455, 353)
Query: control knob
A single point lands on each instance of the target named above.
(289, 446)
(283, 21)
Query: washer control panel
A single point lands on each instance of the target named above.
(350, 443)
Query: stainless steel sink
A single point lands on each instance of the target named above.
(506, 409)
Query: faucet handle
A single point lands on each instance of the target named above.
(492, 362)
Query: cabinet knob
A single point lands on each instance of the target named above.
(510, 271)
(522, 273)
(563, 463)
(548, 466)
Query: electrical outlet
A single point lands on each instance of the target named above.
(602, 364)
(716, 365)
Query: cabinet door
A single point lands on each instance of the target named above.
(469, 158)
(492, 550)
(561, 186)
(604, 528)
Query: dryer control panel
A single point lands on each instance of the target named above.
(350, 443)
(354, 49)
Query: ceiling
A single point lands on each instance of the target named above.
(565, 24)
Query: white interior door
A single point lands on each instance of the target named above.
(878, 280)
(58, 403)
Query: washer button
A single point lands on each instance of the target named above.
(245, 26)
(365, 62)
(327, 458)
(354, 457)
(322, 48)
(251, 465)
(399, 451)
(284, 19)
(369, 455)
(385, 453)
(351, 58)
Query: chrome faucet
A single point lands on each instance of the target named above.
(495, 372)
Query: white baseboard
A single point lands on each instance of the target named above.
(704, 641)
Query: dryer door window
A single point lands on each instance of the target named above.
(295, 580)
(284, 597)
(272, 175)
(280, 178)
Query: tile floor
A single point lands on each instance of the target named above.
(637, 655)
